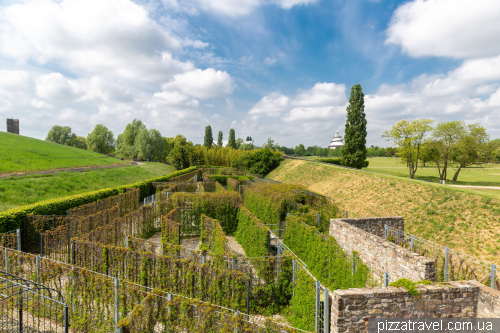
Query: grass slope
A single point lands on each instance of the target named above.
(23, 154)
(20, 191)
(465, 220)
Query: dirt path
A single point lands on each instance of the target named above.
(235, 246)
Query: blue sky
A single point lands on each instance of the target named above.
(267, 68)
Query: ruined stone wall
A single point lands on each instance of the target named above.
(12, 126)
(375, 225)
(382, 256)
(352, 308)
(488, 304)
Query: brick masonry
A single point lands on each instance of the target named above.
(375, 225)
(488, 303)
(382, 256)
(352, 308)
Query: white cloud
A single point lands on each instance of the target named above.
(14, 80)
(272, 105)
(229, 104)
(56, 86)
(449, 28)
(269, 61)
(202, 84)
(322, 94)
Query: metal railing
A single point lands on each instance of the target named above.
(450, 265)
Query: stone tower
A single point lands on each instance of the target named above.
(13, 126)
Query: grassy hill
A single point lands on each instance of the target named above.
(465, 220)
(24, 190)
(22, 154)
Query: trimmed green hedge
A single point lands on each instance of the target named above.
(11, 219)
(324, 257)
(301, 312)
(224, 178)
(251, 234)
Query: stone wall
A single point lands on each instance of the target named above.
(488, 304)
(352, 308)
(375, 225)
(382, 256)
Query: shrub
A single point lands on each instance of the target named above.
(251, 234)
(258, 162)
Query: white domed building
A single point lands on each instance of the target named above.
(337, 141)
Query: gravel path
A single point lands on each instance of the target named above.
(235, 246)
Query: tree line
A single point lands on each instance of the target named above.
(449, 143)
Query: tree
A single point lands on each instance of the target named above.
(247, 139)
(269, 143)
(409, 137)
(239, 142)
(390, 151)
(179, 157)
(445, 138)
(473, 148)
(149, 145)
(354, 149)
(300, 150)
(219, 139)
(101, 140)
(209, 139)
(61, 135)
(258, 162)
(125, 142)
(80, 142)
(232, 139)
(246, 146)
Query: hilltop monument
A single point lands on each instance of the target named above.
(337, 141)
(13, 126)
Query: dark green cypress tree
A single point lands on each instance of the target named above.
(219, 139)
(354, 149)
(209, 139)
(232, 139)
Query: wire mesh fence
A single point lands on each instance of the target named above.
(450, 265)
(11, 239)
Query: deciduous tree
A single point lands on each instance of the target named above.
(444, 143)
(125, 142)
(101, 140)
(61, 135)
(473, 148)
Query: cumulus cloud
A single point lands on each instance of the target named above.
(14, 80)
(448, 28)
(202, 84)
(269, 61)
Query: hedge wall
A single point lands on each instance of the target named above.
(324, 257)
(301, 312)
(11, 219)
(251, 234)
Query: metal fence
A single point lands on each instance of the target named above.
(11, 239)
(450, 265)
(27, 306)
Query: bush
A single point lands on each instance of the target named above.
(337, 161)
(259, 162)
(12, 219)
(251, 234)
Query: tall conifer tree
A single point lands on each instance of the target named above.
(232, 139)
(354, 149)
(209, 139)
(219, 139)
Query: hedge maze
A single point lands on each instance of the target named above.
(113, 278)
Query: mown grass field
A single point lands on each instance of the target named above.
(463, 219)
(24, 190)
(23, 154)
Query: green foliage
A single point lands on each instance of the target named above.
(324, 258)
(125, 142)
(61, 135)
(149, 145)
(232, 139)
(301, 312)
(408, 285)
(212, 236)
(251, 234)
(80, 142)
(354, 149)
(300, 150)
(223, 178)
(209, 139)
(179, 157)
(11, 219)
(258, 162)
(101, 140)
(336, 161)
(219, 139)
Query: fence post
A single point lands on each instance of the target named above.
(66, 319)
(346, 214)
(41, 245)
(235, 321)
(268, 243)
(386, 279)
(492, 278)
(117, 303)
(239, 189)
(319, 218)
(326, 316)
(179, 235)
(6, 261)
(278, 262)
(248, 297)
(412, 242)
(69, 245)
(353, 265)
(203, 257)
(18, 233)
(126, 242)
(316, 314)
(234, 264)
(37, 258)
(385, 231)
(446, 251)
(73, 253)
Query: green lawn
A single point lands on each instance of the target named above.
(23, 154)
(20, 191)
